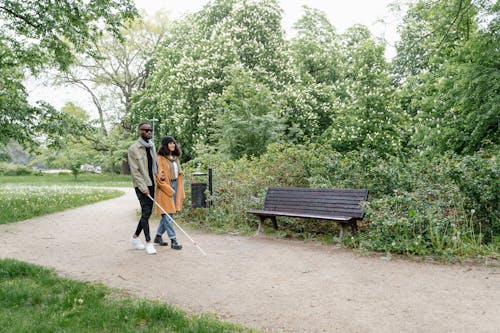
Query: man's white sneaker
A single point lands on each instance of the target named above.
(137, 243)
(150, 249)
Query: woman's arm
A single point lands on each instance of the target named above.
(163, 177)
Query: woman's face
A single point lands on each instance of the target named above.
(171, 146)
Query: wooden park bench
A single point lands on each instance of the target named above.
(340, 205)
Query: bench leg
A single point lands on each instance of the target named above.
(342, 230)
(353, 226)
(261, 221)
(275, 223)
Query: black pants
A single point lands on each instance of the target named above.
(146, 210)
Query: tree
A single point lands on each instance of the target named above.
(75, 111)
(37, 34)
(114, 68)
(315, 48)
(247, 120)
(453, 94)
(42, 32)
(365, 116)
(194, 64)
(308, 99)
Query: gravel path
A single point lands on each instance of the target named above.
(269, 284)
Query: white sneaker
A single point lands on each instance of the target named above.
(150, 249)
(137, 243)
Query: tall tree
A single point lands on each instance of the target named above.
(365, 116)
(315, 51)
(247, 118)
(315, 47)
(113, 68)
(452, 92)
(196, 59)
(37, 34)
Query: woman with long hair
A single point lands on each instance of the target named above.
(170, 189)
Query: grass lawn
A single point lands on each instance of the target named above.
(25, 197)
(35, 299)
(84, 179)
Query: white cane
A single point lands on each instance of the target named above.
(185, 233)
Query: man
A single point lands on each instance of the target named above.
(143, 168)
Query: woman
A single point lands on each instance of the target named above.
(170, 189)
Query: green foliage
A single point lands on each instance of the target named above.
(15, 111)
(417, 204)
(423, 222)
(478, 179)
(197, 62)
(31, 41)
(35, 299)
(246, 117)
(241, 184)
(316, 69)
(75, 111)
(64, 27)
(365, 116)
(4, 154)
(18, 119)
(449, 74)
(316, 47)
(75, 168)
(9, 169)
(115, 67)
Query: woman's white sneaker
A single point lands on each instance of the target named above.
(150, 249)
(137, 243)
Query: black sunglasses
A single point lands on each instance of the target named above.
(146, 129)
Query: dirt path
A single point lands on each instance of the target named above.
(273, 285)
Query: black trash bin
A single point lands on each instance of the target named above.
(198, 197)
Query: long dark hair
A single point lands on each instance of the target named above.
(164, 151)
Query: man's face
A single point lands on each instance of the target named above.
(145, 132)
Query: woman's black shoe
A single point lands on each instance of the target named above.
(159, 241)
(174, 245)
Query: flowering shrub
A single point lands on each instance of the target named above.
(416, 204)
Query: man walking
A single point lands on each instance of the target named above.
(143, 168)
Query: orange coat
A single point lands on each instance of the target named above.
(165, 192)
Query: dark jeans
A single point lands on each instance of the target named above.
(146, 210)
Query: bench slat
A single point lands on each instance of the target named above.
(346, 212)
(321, 217)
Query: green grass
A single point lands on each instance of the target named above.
(87, 179)
(20, 202)
(28, 196)
(35, 299)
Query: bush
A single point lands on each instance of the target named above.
(445, 206)
(9, 169)
(478, 179)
